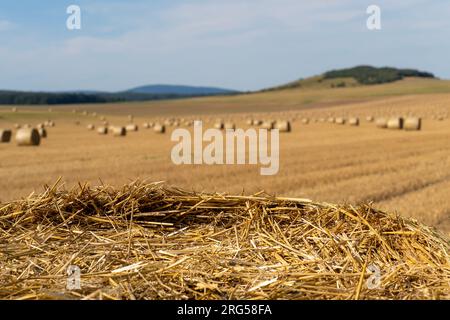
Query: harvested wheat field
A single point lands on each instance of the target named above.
(398, 171)
(146, 241)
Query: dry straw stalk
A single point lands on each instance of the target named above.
(145, 241)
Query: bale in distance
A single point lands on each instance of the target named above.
(14, 109)
(283, 126)
(229, 126)
(219, 125)
(395, 123)
(249, 122)
(159, 128)
(268, 125)
(257, 122)
(42, 132)
(49, 123)
(132, 127)
(305, 121)
(381, 123)
(90, 126)
(353, 121)
(28, 137)
(118, 131)
(340, 121)
(17, 126)
(102, 130)
(27, 126)
(331, 120)
(370, 119)
(5, 135)
(413, 124)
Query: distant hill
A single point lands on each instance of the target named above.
(180, 90)
(145, 93)
(356, 76)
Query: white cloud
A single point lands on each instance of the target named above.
(5, 25)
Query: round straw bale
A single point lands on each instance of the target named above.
(340, 120)
(305, 121)
(90, 126)
(17, 126)
(14, 109)
(132, 127)
(370, 119)
(257, 122)
(102, 130)
(353, 121)
(146, 125)
(283, 126)
(40, 125)
(159, 128)
(331, 120)
(28, 137)
(413, 124)
(118, 131)
(249, 122)
(50, 110)
(94, 114)
(268, 125)
(5, 135)
(381, 123)
(229, 126)
(27, 126)
(395, 123)
(42, 132)
(219, 125)
(130, 118)
(102, 118)
(85, 113)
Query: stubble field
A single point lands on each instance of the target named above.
(403, 172)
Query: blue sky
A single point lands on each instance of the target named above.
(239, 44)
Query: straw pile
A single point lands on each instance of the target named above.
(145, 241)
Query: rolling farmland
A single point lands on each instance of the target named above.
(399, 171)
